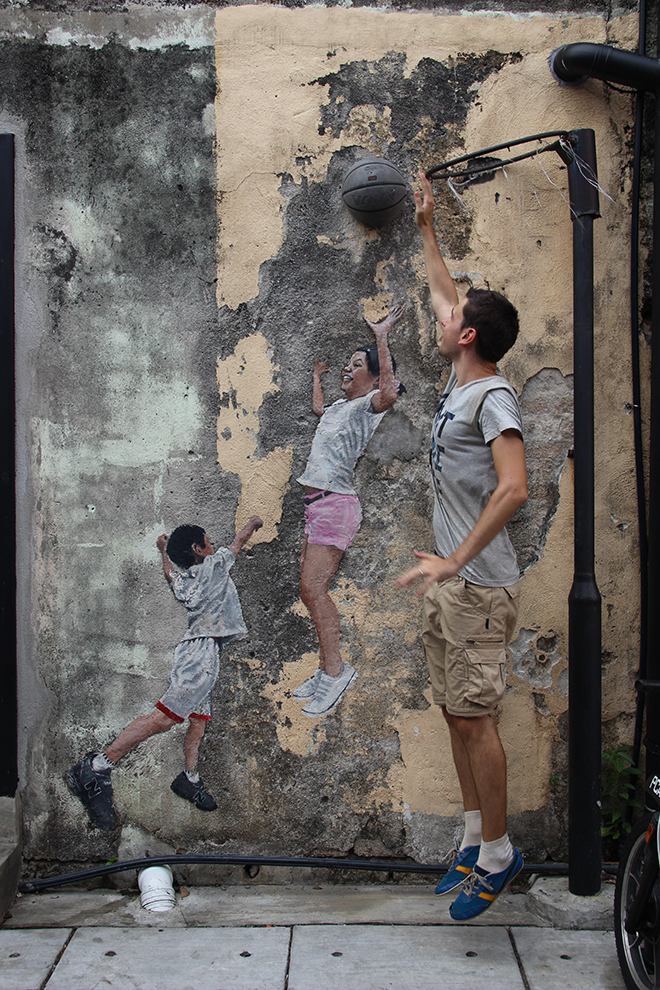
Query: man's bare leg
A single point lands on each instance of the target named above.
(140, 729)
(498, 861)
(481, 767)
(318, 566)
(462, 763)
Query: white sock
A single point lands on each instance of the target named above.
(192, 776)
(472, 835)
(495, 856)
(101, 762)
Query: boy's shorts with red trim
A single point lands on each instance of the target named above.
(193, 677)
(332, 519)
(178, 718)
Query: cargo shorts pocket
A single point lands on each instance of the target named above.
(486, 659)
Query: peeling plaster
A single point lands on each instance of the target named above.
(362, 626)
(142, 29)
(534, 656)
(269, 109)
(244, 379)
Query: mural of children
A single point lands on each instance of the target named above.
(332, 508)
(204, 588)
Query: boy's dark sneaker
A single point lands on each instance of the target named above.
(196, 793)
(93, 788)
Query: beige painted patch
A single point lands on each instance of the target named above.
(430, 783)
(268, 103)
(358, 608)
(244, 379)
(528, 753)
(297, 733)
(545, 588)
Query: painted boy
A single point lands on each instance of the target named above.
(200, 581)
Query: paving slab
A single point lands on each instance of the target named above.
(85, 908)
(389, 957)
(172, 959)
(395, 905)
(568, 960)
(27, 957)
(260, 905)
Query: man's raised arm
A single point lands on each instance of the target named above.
(443, 291)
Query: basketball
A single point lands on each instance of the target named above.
(374, 191)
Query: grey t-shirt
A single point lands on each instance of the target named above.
(211, 598)
(344, 430)
(464, 476)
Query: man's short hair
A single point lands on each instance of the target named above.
(180, 544)
(494, 318)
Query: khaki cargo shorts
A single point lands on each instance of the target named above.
(465, 634)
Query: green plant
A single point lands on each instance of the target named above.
(618, 784)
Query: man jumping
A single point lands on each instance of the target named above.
(470, 584)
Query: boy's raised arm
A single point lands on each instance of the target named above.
(168, 567)
(241, 538)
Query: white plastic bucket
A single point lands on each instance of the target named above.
(156, 890)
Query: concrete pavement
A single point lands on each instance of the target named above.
(259, 937)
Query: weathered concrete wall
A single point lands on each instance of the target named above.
(184, 256)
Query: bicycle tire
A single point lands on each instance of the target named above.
(639, 957)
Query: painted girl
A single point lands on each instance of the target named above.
(332, 508)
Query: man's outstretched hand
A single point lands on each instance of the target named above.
(424, 203)
(429, 569)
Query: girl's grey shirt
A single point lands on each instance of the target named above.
(345, 429)
(210, 596)
(464, 476)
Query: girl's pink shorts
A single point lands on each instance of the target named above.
(332, 520)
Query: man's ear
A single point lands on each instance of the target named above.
(196, 549)
(468, 335)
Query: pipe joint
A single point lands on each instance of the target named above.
(572, 65)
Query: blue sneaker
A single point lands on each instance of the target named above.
(482, 888)
(461, 864)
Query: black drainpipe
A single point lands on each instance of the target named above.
(573, 64)
(584, 603)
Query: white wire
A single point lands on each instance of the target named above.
(583, 167)
(585, 170)
(459, 199)
(587, 173)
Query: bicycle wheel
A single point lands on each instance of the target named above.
(639, 952)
